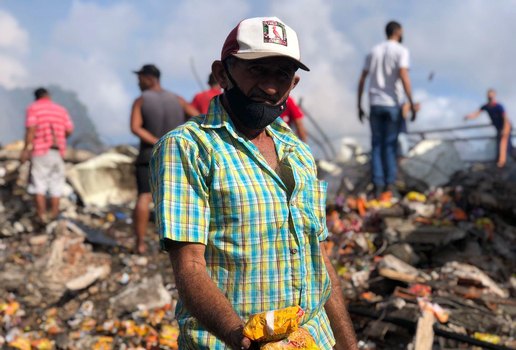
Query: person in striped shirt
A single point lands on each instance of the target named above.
(47, 127)
(239, 207)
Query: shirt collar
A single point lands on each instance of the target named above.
(217, 117)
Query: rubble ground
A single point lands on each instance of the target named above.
(433, 269)
(74, 283)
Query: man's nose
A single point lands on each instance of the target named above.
(270, 85)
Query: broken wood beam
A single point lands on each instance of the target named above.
(425, 332)
(411, 325)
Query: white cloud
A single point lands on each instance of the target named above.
(95, 45)
(87, 52)
(14, 43)
(97, 85)
(326, 90)
(12, 72)
(194, 31)
(13, 37)
(92, 29)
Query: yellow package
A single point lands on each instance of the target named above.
(273, 325)
(300, 339)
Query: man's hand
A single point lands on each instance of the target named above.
(361, 114)
(413, 109)
(24, 156)
(237, 341)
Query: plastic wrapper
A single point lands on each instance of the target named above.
(273, 325)
(299, 339)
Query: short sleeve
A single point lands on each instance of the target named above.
(367, 63)
(179, 192)
(196, 103)
(483, 108)
(30, 118)
(405, 58)
(68, 122)
(501, 109)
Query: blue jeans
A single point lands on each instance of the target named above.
(385, 127)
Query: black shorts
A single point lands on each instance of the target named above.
(142, 178)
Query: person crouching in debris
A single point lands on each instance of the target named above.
(47, 127)
(502, 125)
(239, 207)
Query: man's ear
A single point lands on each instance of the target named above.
(219, 72)
(297, 78)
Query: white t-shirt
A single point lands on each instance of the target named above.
(383, 64)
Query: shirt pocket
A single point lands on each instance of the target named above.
(312, 204)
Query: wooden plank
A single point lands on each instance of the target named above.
(399, 276)
(425, 332)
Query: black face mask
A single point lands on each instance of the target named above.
(253, 115)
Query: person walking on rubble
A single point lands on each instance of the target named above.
(388, 65)
(47, 127)
(239, 207)
(201, 101)
(502, 125)
(153, 114)
(293, 116)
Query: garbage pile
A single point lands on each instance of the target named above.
(430, 268)
(75, 284)
(436, 266)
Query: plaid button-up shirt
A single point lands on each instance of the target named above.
(211, 185)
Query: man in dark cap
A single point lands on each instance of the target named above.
(153, 114)
(239, 207)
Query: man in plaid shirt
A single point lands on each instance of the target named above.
(239, 206)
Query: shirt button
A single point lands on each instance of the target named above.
(293, 251)
(293, 203)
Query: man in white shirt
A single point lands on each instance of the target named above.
(388, 65)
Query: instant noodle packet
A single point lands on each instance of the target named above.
(300, 339)
(273, 325)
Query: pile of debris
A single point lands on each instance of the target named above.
(75, 283)
(437, 267)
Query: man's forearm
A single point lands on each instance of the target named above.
(338, 314)
(361, 85)
(145, 136)
(29, 138)
(405, 80)
(205, 301)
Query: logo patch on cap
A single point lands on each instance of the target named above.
(274, 32)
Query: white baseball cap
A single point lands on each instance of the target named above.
(262, 37)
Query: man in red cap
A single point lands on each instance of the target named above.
(239, 207)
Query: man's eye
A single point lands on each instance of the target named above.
(285, 75)
(256, 69)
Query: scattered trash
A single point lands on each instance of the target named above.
(439, 260)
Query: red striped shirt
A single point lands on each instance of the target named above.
(52, 122)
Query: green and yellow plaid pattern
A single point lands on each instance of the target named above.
(211, 185)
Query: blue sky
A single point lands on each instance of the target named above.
(91, 47)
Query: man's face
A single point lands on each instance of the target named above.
(491, 96)
(144, 82)
(266, 80)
